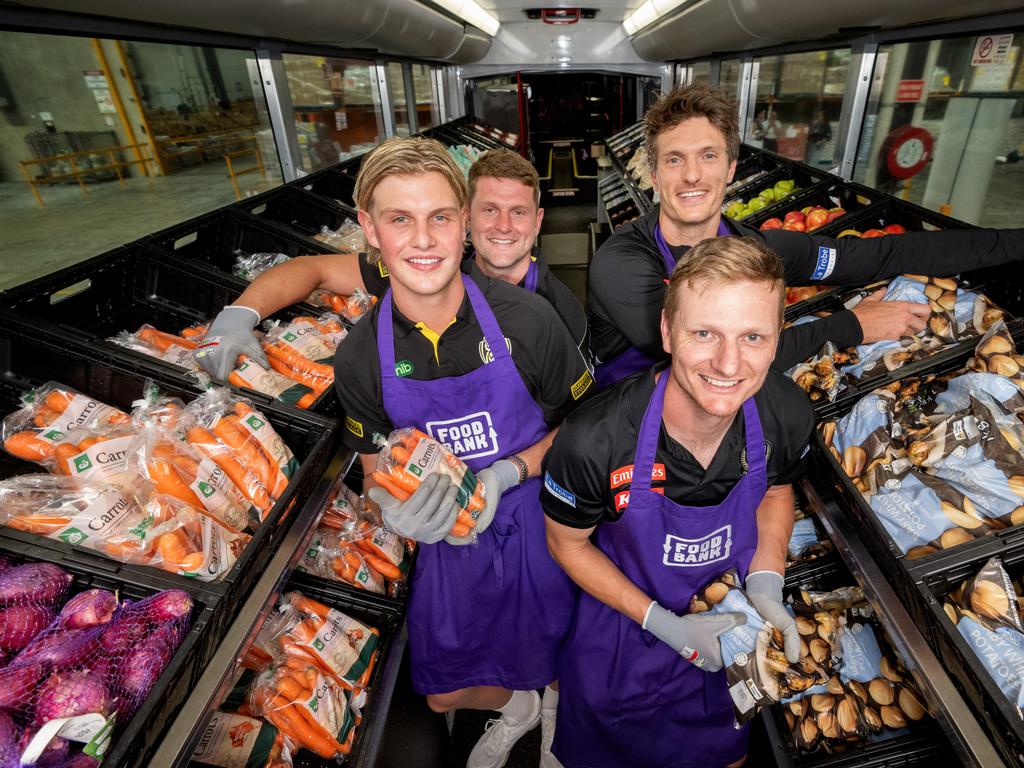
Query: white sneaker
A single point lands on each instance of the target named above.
(547, 735)
(500, 735)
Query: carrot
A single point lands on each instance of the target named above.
(166, 480)
(336, 302)
(312, 607)
(164, 341)
(37, 523)
(58, 400)
(237, 439)
(385, 481)
(194, 332)
(25, 445)
(118, 417)
(286, 368)
(64, 453)
(176, 551)
(385, 567)
(398, 476)
(291, 689)
(460, 530)
(45, 416)
(286, 717)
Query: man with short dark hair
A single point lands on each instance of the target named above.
(692, 138)
(653, 489)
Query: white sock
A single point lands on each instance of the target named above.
(550, 700)
(519, 707)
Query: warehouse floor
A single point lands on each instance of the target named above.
(73, 226)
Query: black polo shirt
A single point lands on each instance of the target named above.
(589, 467)
(545, 355)
(558, 294)
(626, 282)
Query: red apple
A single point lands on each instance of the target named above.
(794, 226)
(873, 233)
(794, 216)
(816, 218)
(807, 209)
(894, 229)
(772, 223)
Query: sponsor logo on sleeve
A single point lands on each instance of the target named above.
(624, 475)
(468, 437)
(692, 553)
(622, 498)
(826, 263)
(353, 426)
(582, 385)
(558, 491)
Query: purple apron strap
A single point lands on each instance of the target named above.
(531, 276)
(666, 252)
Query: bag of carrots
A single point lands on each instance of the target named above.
(175, 350)
(311, 710)
(251, 375)
(181, 540)
(303, 350)
(99, 454)
(240, 440)
(351, 544)
(49, 412)
(341, 648)
(406, 459)
(353, 307)
(177, 468)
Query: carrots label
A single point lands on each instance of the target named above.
(428, 456)
(82, 411)
(219, 495)
(271, 382)
(94, 524)
(307, 340)
(330, 708)
(271, 443)
(235, 741)
(389, 545)
(345, 645)
(219, 558)
(105, 461)
(179, 356)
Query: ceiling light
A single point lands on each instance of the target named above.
(470, 11)
(648, 13)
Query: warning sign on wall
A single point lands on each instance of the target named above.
(909, 90)
(991, 49)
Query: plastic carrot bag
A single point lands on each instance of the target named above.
(175, 350)
(348, 238)
(48, 413)
(249, 266)
(303, 350)
(234, 736)
(252, 375)
(310, 709)
(240, 439)
(406, 459)
(79, 512)
(329, 556)
(188, 543)
(177, 468)
(355, 306)
(350, 522)
(343, 649)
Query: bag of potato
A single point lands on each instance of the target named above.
(996, 353)
(821, 377)
(984, 611)
(862, 439)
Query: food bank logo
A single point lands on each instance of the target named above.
(468, 437)
(690, 553)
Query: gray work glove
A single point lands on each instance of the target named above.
(426, 516)
(496, 479)
(230, 335)
(695, 636)
(764, 591)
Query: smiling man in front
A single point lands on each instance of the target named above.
(701, 450)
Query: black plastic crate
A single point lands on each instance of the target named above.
(390, 624)
(901, 572)
(834, 193)
(298, 213)
(135, 742)
(125, 288)
(752, 165)
(892, 210)
(804, 176)
(1000, 718)
(30, 359)
(217, 238)
(334, 186)
(452, 136)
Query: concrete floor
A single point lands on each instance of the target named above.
(36, 241)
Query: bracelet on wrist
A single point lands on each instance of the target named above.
(520, 462)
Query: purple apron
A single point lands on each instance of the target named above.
(631, 360)
(627, 699)
(495, 612)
